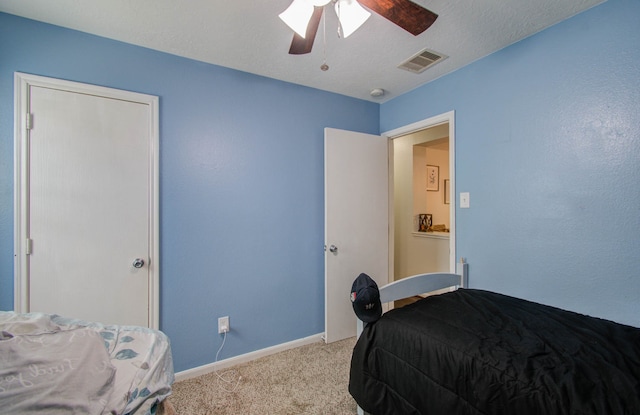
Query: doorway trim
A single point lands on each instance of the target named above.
(447, 117)
(22, 83)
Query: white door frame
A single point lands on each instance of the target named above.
(448, 117)
(22, 82)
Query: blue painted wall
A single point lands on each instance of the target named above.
(548, 145)
(241, 185)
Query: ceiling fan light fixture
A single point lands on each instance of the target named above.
(297, 16)
(351, 15)
(304, 17)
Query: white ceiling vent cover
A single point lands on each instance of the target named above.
(422, 60)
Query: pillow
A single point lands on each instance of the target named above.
(57, 373)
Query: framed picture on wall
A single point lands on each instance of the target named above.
(433, 178)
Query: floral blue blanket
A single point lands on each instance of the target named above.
(59, 365)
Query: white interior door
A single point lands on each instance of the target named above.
(356, 222)
(89, 197)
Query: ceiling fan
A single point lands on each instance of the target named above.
(303, 16)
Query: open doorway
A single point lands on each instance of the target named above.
(423, 202)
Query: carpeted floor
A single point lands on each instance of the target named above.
(311, 379)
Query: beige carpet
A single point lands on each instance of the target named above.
(311, 379)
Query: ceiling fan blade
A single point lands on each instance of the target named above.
(301, 45)
(408, 15)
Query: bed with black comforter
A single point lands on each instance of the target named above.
(478, 352)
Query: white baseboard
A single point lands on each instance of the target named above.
(223, 364)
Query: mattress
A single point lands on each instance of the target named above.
(479, 352)
(59, 365)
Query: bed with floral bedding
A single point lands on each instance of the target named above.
(56, 365)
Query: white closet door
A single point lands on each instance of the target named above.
(88, 209)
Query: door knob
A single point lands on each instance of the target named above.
(333, 249)
(138, 263)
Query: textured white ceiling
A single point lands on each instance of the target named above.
(248, 35)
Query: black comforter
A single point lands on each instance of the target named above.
(478, 352)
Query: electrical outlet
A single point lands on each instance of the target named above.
(223, 325)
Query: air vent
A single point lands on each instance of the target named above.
(422, 60)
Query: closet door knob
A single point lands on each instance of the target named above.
(138, 263)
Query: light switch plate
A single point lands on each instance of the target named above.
(464, 200)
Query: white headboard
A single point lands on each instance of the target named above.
(421, 284)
